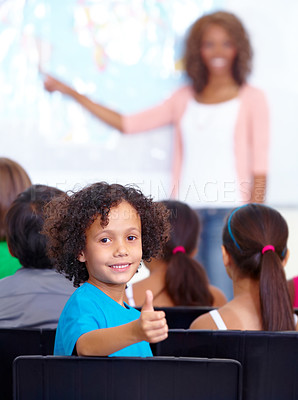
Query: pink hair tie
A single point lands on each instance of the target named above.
(268, 248)
(178, 249)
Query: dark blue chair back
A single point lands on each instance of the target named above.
(181, 317)
(15, 342)
(269, 359)
(124, 378)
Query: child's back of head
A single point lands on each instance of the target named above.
(24, 222)
(186, 280)
(255, 236)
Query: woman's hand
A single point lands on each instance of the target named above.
(51, 85)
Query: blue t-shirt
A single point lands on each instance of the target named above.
(89, 309)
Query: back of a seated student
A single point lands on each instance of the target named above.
(255, 254)
(13, 180)
(35, 295)
(293, 290)
(176, 278)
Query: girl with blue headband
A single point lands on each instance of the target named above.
(254, 253)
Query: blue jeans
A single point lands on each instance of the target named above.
(209, 254)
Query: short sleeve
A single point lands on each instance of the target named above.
(81, 315)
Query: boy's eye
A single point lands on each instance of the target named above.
(105, 240)
(131, 237)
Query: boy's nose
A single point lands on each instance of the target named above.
(121, 250)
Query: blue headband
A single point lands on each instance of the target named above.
(229, 226)
(231, 233)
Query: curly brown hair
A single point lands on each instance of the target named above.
(194, 64)
(69, 216)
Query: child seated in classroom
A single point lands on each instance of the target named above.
(97, 238)
(176, 277)
(34, 296)
(254, 253)
(293, 290)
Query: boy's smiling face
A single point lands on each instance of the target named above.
(113, 253)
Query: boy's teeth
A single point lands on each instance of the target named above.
(119, 266)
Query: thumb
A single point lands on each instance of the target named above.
(148, 304)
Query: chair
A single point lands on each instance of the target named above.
(180, 317)
(269, 359)
(125, 378)
(15, 342)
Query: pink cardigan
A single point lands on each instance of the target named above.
(295, 281)
(251, 135)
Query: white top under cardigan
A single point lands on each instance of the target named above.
(208, 176)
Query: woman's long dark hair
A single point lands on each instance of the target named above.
(186, 280)
(247, 231)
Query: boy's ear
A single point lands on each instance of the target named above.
(81, 257)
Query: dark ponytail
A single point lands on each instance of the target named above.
(256, 238)
(276, 307)
(186, 281)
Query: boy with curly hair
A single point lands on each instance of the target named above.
(97, 238)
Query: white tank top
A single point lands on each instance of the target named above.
(215, 315)
(208, 177)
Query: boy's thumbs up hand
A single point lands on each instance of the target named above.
(153, 324)
(148, 304)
